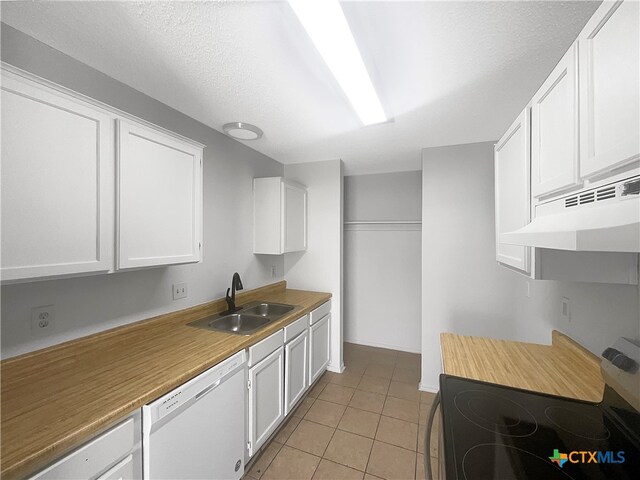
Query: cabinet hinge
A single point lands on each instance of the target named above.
(249, 446)
(200, 245)
(248, 384)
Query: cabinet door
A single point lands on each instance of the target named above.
(319, 354)
(267, 215)
(266, 401)
(512, 164)
(296, 373)
(610, 88)
(122, 471)
(554, 129)
(294, 220)
(159, 198)
(57, 182)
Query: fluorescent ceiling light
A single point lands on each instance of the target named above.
(325, 23)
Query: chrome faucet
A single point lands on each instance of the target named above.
(236, 284)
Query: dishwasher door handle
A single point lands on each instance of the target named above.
(208, 389)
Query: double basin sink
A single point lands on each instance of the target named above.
(246, 320)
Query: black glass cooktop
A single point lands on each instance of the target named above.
(496, 432)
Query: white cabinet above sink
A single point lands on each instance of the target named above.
(279, 216)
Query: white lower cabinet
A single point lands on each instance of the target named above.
(114, 454)
(122, 470)
(319, 347)
(296, 372)
(266, 400)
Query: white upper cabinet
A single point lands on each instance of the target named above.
(610, 88)
(57, 183)
(295, 217)
(159, 198)
(512, 163)
(78, 199)
(554, 130)
(279, 216)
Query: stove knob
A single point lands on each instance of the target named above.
(611, 353)
(625, 363)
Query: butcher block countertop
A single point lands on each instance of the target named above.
(56, 398)
(563, 368)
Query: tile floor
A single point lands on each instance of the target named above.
(365, 423)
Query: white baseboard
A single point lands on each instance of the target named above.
(336, 369)
(428, 388)
(384, 345)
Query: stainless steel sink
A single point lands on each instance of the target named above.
(240, 323)
(269, 309)
(248, 319)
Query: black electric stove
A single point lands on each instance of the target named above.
(497, 432)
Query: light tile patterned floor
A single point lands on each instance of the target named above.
(365, 423)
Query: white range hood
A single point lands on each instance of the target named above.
(605, 219)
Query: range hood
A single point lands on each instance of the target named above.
(604, 219)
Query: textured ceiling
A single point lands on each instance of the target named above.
(447, 72)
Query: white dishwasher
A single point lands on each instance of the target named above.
(197, 431)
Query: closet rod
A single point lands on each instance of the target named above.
(385, 222)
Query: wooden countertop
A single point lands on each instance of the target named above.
(563, 368)
(56, 398)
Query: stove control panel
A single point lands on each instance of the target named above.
(620, 360)
(620, 369)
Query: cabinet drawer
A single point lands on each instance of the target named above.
(320, 312)
(264, 347)
(96, 456)
(296, 328)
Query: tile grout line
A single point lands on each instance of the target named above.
(336, 428)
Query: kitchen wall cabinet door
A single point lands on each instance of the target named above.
(279, 216)
(57, 182)
(512, 203)
(159, 198)
(296, 373)
(319, 339)
(294, 218)
(266, 400)
(610, 88)
(554, 130)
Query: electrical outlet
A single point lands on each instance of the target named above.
(179, 290)
(565, 309)
(42, 319)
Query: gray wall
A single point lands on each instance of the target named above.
(388, 196)
(382, 262)
(465, 291)
(90, 304)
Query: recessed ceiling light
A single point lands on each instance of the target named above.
(327, 26)
(242, 131)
